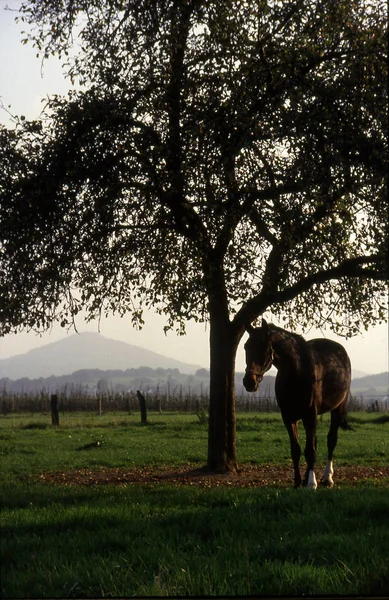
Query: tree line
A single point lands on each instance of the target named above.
(166, 383)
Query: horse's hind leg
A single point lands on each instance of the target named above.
(295, 450)
(332, 438)
(310, 451)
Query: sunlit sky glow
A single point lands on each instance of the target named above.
(23, 85)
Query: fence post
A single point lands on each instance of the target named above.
(142, 406)
(54, 410)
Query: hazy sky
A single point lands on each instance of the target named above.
(23, 85)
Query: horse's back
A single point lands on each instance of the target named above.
(332, 373)
(330, 354)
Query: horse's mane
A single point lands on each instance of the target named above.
(285, 334)
(305, 355)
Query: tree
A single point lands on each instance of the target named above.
(221, 159)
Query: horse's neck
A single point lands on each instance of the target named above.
(287, 349)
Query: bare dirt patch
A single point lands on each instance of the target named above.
(248, 476)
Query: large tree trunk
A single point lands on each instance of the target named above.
(222, 419)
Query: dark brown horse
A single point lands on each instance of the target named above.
(313, 378)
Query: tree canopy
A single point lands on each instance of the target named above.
(234, 151)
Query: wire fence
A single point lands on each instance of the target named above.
(181, 402)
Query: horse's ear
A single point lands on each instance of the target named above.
(265, 327)
(249, 328)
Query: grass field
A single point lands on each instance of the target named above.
(158, 539)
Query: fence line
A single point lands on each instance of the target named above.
(128, 402)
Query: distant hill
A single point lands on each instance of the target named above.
(86, 351)
(355, 374)
(90, 357)
(371, 383)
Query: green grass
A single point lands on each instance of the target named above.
(28, 443)
(66, 541)
(262, 438)
(134, 541)
(123, 442)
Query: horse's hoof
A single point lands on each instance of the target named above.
(297, 482)
(326, 483)
(310, 481)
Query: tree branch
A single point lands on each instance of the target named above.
(352, 267)
(186, 219)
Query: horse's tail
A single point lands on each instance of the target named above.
(344, 424)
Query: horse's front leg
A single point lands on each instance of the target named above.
(295, 450)
(310, 451)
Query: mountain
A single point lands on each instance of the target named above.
(94, 351)
(371, 383)
(86, 351)
(355, 374)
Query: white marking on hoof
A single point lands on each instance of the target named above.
(328, 473)
(312, 483)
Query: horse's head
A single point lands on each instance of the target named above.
(259, 355)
